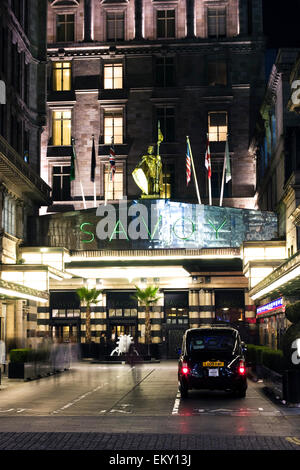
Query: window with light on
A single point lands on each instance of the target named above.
(113, 188)
(61, 133)
(113, 127)
(113, 76)
(217, 126)
(62, 76)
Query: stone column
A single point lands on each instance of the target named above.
(194, 308)
(206, 306)
(138, 18)
(87, 20)
(20, 324)
(157, 317)
(190, 18)
(10, 325)
(250, 312)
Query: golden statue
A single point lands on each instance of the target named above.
(148, 174)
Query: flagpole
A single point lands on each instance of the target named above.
(209, 178)
(95, 197)
(107, 185)
(194, 172)
(77, 170)
(112, 175)
(226, 170)
(95, 192)
(223, 178)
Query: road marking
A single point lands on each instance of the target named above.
(293, 440)
(176, 404)
(78, 399)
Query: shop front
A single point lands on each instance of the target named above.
(272, 323)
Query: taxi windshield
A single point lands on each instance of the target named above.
(215, 341)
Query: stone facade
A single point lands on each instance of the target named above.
(194, 54)
(22, 191)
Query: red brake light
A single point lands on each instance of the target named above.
(242, 368)
(185, 369)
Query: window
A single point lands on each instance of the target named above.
(115, 26)
(166, 192)
(113, 189)
(165, 27)
(61, 183)
(62, 312)
(61, 76)
(216, 72)
(166, 116)
(65, 28)
(9, 215)
(113, 76)
(164, 71)
(120, 304)
(113, 127)
(61, 127)
(217, 126)
(216, 22)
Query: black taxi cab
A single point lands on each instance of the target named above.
(212, 358)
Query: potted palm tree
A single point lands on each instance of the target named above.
(147, 297)
(88, 297)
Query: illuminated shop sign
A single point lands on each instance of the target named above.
(270, 307)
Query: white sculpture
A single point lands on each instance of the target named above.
(123, 345)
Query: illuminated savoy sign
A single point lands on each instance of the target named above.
(166, 224)
(270, 307)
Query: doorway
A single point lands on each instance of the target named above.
(65, 333)
(230, 305)
(124, 329)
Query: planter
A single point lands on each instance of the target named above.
(21, 370)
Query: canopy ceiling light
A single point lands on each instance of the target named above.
(278, 283)
(129, 273)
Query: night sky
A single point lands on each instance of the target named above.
(282, 23)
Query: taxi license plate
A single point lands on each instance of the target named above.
(213, 372)
(213, 364)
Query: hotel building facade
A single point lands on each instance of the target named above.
(114, 70)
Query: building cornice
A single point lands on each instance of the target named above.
(151, 47)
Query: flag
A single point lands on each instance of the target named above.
(188, 164)
(93, 161)
(160, 136)
(73, 158)
(227, 163)
(112, 160)
(207, 159)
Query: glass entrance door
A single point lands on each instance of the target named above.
(118, 330)
(65, 333)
